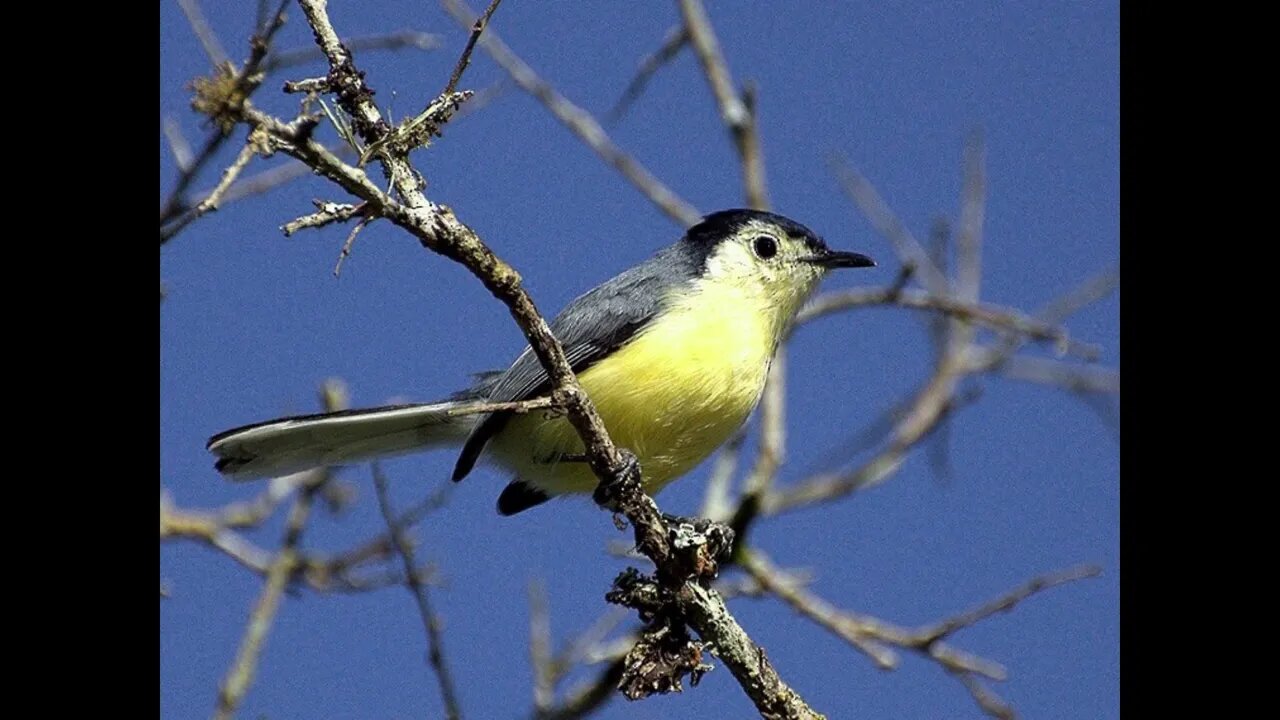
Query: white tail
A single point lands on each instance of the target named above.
(287, 445)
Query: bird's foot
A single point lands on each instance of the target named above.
(625, 483)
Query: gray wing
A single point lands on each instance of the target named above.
(590, 328)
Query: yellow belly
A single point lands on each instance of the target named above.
(672, 396)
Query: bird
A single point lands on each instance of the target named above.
(674, 352)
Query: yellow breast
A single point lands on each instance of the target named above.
(672, 395)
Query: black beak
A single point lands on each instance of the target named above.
(833, 259)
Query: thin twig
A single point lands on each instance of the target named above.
(240, 675)
(326, 213)
(176, 202)
(351, 240)
(1086, 293)
(540, 648)
(401, 39)
(585, 647)
(973, 202)
(715, 502)
(430, 621)
(871, 636)
(588, 697)
(675, 41)
(1075, 378)
(204, 33)
(477, 29)
(267, 180)
(579, 121)
(989, 702)
(992, 316)
(210, 202)
(758, 485)
(233, 95)
(931, 634)
(178, 144)
(734, 113)
(910, 251)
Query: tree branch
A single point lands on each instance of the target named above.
(910, 251)
(242, 670)
(430, 621)
(871, 636)
(737, 117)
(579, 121)
(677, 37)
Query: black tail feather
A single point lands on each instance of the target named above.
(519, 496)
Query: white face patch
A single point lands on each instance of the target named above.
(783, 281)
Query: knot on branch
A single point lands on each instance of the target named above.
(665, 652)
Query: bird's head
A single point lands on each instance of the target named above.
(765, 255)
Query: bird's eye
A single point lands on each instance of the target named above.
(766, 247)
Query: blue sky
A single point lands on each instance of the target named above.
(254, 322)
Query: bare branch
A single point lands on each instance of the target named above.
(973, 203)
(399, 40)
(734, 113)
(579, 122)
(910, 251)
(326, 213)
(222, 97)
(544, 677)
(746, 660)
(587, 698)
(176, 203)
(321, 573)
(240, 675)
(430, 621)
(1088, 292)
(1004, 603)
(1076, 378)
(346, 246)
(204, 33)
(477, 29)
(1083, 295)
(715, 502)
(989, 702)
(178, 144)
(871, 636)
(992, 316)
(210, 201)
(758, 485)
(586, 646)
(675, 40)
(267, 180)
